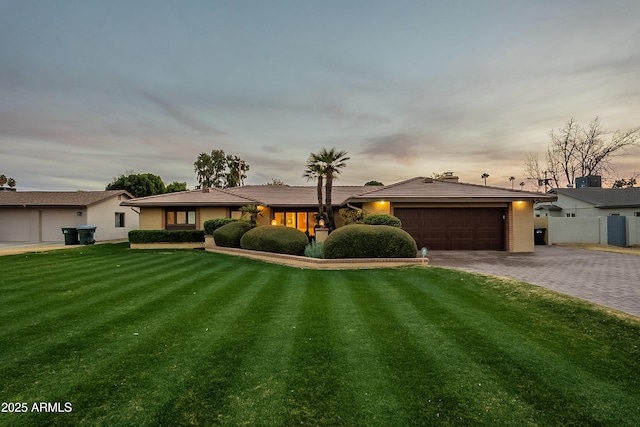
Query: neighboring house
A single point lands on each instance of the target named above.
(38, 216)
(439, 214)
(594, 215)
(592, 202)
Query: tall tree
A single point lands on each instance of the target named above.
(219, 170)
(3, 180)
(575, 151)
(175, 187)
(237, 169)
(331, 162)
(485, 176)
(314, 171)
(211, 169)
(139, 185)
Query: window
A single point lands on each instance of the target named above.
(119, 219)
(571, 215)
(181, 219)
(303, 221)
(636, 214)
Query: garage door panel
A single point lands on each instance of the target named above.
(53, 221)
(15, 226)
(455, 228)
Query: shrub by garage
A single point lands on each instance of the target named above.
(229, 235)
(278, 239)
(369, 241)
(382, 219)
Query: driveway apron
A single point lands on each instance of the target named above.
(605, 278)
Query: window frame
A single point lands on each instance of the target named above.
(295, 215)
(119, 220)
(175, 212)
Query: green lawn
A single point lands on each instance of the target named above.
(193, 338)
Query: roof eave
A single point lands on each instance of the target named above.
(455, 199)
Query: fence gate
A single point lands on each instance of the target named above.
(617, 230)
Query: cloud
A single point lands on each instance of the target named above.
(179, 114)
(402, 147)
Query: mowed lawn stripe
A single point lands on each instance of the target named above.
(210, 394)
(519, 360)
(260, 391)
(563, 325)
(72, 269)
(461, 390)
(318, 394)
(93, 323)
(129, 369)
(114, 300)
(481, 395)
(62, 305)
(413, 371)
(364, 371)
(217, 340)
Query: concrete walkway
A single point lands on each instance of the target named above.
(605, 278)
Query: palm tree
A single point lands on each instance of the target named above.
(11, 182)
(512, 178)
(314, 171)
(485, 176)
(330, 162)
(3, 180)
(252, 211)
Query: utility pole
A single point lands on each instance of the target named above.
(544, 181)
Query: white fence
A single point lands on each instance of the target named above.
(585, 230)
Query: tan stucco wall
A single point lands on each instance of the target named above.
(522, 222)
(208, 213)
(151, 218)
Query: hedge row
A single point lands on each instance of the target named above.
(166, 236)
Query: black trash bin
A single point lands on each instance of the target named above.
(539, 236)
(70, 235)
(86, 234)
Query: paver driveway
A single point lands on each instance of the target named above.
(605, 278)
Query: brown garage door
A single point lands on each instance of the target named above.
(455, 228)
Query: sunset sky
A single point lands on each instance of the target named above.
(92, 89)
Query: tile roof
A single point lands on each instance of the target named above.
(427, 189)
(208, 197)
(604, 197)
(412, 190)
(284, 195)
(26, 199)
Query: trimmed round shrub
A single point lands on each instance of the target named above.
(370, 241)
(278, 239)
(229, 235)
(382, 219)
(211, 225)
